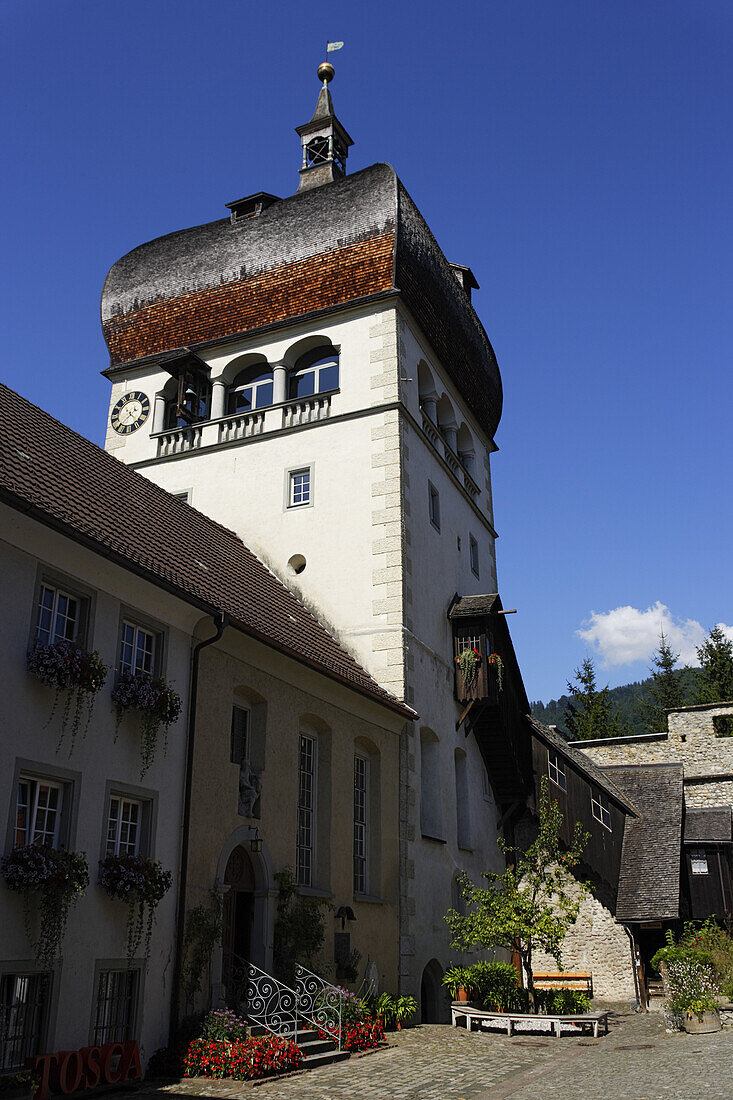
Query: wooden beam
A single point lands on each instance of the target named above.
(464, 715)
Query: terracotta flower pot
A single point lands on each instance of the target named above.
(695, 1026)
(462, 994)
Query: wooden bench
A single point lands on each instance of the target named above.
(507, 1020)
(581, 980)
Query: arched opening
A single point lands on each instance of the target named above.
(432, 999)
(187, 399)
(251, 388)
(447, 422)
(244, 878)
(315, 371)
(466, 449)
(431, 816)
(238, 917)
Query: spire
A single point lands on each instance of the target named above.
(325, 142)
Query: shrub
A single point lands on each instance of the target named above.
(495, 984)
(358, 1035)
(223, 1025)
(713, 945)
(692, 988)
(563, 1002)
(242, 1060)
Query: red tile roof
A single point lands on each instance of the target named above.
(68, 482)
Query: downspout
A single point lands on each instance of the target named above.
(221, 620)
(640, 994)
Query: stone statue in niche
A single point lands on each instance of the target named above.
(250, 786)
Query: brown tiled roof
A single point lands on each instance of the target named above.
(583, 764)
(649, 878)
(68, 482)
(325, 248)
(711, 823)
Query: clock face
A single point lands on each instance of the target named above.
(130, 412)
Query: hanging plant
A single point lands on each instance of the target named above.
(75, 674)
(469, 661)
(141, 883)
(495, 660)
(59, 878)
(159, 706)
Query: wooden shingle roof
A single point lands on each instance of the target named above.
(67, 482)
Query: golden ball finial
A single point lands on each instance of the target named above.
(326, 72)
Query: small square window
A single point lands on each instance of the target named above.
(240, 735)
(473, 551)
(299, 491)
(556, 771)
(138, 649)
(698, 861)
(600, 809)
(434, 506)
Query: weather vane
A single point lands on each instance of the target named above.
(331, 46)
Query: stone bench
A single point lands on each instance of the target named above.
(527, 1021)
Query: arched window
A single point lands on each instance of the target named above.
(317, 371)
(251, 389)
(190, 402)
(431, 816)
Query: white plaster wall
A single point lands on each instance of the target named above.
(96, 927)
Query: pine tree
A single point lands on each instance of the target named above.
(715, 678)
(664, 691)
(589, 713)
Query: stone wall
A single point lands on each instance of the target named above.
(598, 944)
(707, 759)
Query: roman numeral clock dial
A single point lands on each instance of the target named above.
(130, 412)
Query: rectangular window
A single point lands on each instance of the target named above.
(114, 1020)
(699, 861)
(600, 809)
(556, 772)
(434, 506)
(306, 809)
(137, 650)
(24, 1002)
(240, 735)
(58, 616)
(473, 551)
(300, 488)
(124, 826)
(361, 796)
(38, 812)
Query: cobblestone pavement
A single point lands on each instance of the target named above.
(637, 1060)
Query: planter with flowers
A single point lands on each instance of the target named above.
(469, 662)
(158, 704)
(58, 878)
(76, 675)
(141, 883)
(692, 995)
(495, 661)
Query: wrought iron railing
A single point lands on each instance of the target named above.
(320, 1002)
(269, 1003)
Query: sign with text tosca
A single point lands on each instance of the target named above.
(70, 1071)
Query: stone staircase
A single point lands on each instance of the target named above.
(317, 1051)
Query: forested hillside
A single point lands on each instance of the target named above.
(625, 702)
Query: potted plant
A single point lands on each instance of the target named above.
(496, 662)
(692, 996)
(702, 1016)
(469, 662)
(141, 883)
(405, 1009)
(385, 1009)
(19, 1086)
(159, 706)
(59, 878)
(75, 674)
(459, 983)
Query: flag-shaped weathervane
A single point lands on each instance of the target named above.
(331, 46)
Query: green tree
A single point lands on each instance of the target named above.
(299, 927)
(715, 678)
(589, 712)
(533, 903)
(665, 690)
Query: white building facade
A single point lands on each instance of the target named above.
(311, 374)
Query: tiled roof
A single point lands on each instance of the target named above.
(649, 879)
(469, 607)
(328, 247)
(713, 823)
(65, 480)
(581, 763)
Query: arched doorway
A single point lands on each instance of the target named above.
(432, 1000)
(239, 905)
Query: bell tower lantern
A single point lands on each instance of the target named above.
(325, 142)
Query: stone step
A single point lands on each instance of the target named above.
(313, 1061)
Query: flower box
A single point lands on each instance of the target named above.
(158, 704)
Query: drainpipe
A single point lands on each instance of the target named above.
(221, 620)
(640, 993)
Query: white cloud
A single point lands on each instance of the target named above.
(627, 634)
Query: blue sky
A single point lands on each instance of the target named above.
(576, 155)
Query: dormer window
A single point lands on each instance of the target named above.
(251, 389)
(316, 371)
